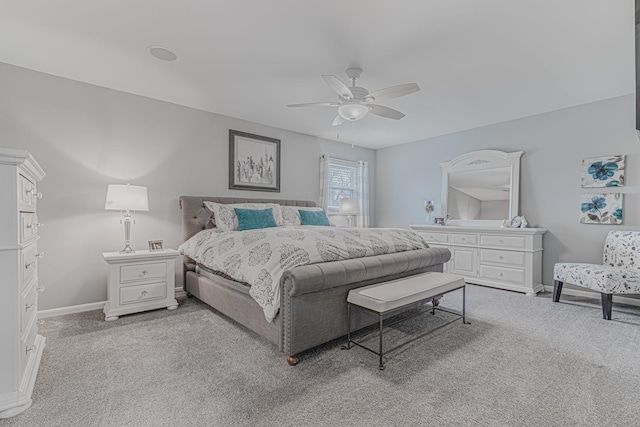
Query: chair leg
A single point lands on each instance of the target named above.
(557, 290)
(607, 303)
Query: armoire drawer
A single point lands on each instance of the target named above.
(29, 305)
(513, 275)
(28, 226)
(464, 239)
(26, 189)
(29, 263)
(514, 258)
(509, 242)
(28, 346)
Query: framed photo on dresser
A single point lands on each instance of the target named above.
(254, 162)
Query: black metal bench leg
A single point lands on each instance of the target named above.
(381, 367)
(348, 346)
(557, 290)
(607, 303)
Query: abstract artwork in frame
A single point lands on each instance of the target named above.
(603, 172)
(601, 208)
(254, 162)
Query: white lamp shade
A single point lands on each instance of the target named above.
(353, 111)
(349, 205)
(126, 197)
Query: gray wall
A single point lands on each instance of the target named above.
(86, 137)
(554, 145)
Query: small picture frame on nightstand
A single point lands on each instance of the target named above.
(155, 245)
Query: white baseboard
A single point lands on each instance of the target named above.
(44, 314)
(594, 295)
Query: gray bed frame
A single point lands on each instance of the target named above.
(313, 305)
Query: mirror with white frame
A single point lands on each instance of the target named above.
(481, 188)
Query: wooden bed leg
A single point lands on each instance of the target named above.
(292, 360)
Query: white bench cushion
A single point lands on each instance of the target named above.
(393, 294)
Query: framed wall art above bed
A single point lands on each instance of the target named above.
(254, 162)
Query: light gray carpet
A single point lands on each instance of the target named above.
(522, 361)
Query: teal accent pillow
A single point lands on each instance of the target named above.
(314, 218)
(251, 219)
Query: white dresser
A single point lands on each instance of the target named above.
(20, 345)
(506, 258)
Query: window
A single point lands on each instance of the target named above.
(341, 182)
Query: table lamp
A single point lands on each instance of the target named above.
(349, 206)
(127, 198)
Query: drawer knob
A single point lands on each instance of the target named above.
(144, 293)
(35, 193)
(40, 289)
(35, 225)
(40, 255)
(501, 257)
(501, 242)
(29, 265)
(143, 273)
(500, 274)
(32, 348)
(29, 307)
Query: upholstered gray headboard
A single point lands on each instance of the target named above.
(195, 217)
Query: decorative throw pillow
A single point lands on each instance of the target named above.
(226, 219)
(291, 214)
(314, 218)
(251, 219)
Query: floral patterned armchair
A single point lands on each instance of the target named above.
(619, 274)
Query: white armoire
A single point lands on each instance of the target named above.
(20, 345)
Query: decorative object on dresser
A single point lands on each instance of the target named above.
(22, 346)
(349, 207)
(127, 198)
(505, 258)
(254, 162)
(155, 245)
(140, 281)
(603, 172)
(429, 207)
(601, 208)
(618, 274)
(481, 188)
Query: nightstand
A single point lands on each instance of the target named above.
(140, 281)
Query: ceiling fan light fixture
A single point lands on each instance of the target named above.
(353, 111)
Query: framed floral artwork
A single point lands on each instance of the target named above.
(603, 172)
(601, 208)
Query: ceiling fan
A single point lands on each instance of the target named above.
(355, 102)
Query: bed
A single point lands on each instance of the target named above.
(312, 307)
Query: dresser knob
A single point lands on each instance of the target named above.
(500, 274)
(35, 193)
(501, 242)
(40, 255)
(40, 289)
(29, 307)
(32, 348)
(35, 225)
(143, 273)
(144, 293)
(29, 265)
(501, 257)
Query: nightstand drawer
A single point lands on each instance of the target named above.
(138, 293)
(139, 272)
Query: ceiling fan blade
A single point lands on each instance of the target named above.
(338, 120)
(385, 112)
(338, 87)
(392, 92)
(315, 104)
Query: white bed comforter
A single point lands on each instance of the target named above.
(260, 257)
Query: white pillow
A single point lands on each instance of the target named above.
(291, 216)
(226, 219)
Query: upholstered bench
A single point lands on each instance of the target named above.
(392, 297)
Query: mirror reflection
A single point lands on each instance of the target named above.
(479, 194)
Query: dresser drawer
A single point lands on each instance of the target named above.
(513, 275)
(464, 239)
(26, 189)
(28, 346)
(29, 263)
(435, 237)
(502, 257)
(140, 272)
(28, 226)
(510, 242)
(139, 293)
(29, 305)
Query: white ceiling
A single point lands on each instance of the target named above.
(478, 61)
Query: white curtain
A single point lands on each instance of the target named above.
(362, 191)
(324, 187)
